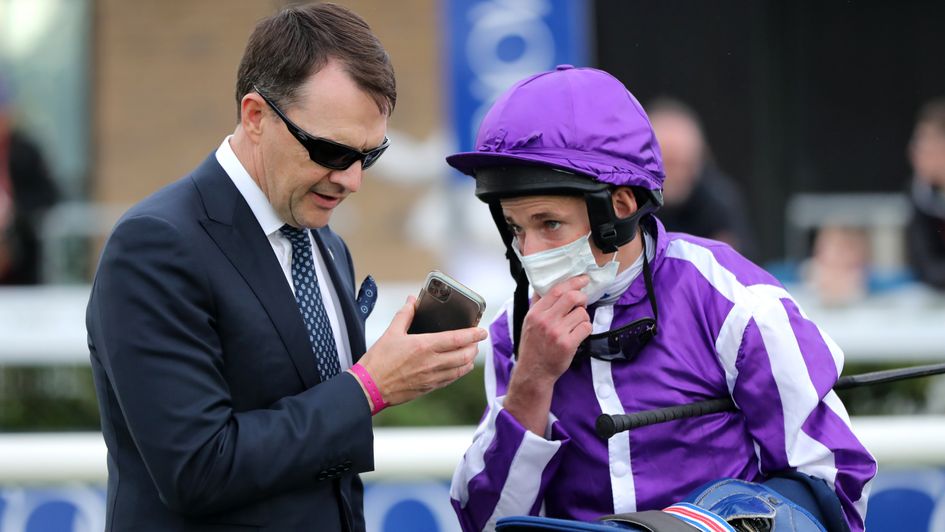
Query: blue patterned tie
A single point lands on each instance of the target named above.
(309, 298)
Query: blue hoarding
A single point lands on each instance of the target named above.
(491, 44)
(910, 499)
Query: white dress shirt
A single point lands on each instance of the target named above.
(270, 222)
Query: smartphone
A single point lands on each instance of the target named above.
(444, 304)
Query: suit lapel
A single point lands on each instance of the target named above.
(334, 256)
(233, 227)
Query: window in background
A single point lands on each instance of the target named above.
(44, 53)
(44, 63)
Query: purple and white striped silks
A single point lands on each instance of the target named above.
(725, 327)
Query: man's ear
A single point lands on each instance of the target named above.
(625, 202)
(251, 114)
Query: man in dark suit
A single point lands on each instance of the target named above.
(226, 343)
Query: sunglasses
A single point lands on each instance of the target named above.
(328, 153)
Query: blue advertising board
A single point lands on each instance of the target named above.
(491, 44)
(902, 499)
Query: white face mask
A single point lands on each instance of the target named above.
(548, 268)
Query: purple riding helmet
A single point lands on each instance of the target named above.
(568, 131)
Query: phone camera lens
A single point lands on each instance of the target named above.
(439, 290)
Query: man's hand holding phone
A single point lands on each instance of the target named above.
(445, 304)
(406, 365)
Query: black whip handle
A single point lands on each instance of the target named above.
(889, 375)
(609, 424)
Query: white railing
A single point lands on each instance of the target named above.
(417, 453)
(45, 325)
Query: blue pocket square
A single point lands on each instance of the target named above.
(367, 297)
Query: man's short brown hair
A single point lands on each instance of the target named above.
(288, 47)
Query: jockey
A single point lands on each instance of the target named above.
(624, 317)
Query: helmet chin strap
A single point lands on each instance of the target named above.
(608, 232)
(520, 300)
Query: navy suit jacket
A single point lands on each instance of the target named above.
(211, 405)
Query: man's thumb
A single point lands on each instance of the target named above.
(404, 316)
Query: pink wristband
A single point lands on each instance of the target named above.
(377, 401)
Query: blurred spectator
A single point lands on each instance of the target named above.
(26, 191)
(838, 270)
(700, 199)
(926, 231)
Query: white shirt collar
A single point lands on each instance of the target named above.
(263, 211)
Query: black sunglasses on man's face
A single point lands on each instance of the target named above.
(325, 152)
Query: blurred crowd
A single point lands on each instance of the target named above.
(839, 268)
(926, 232)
